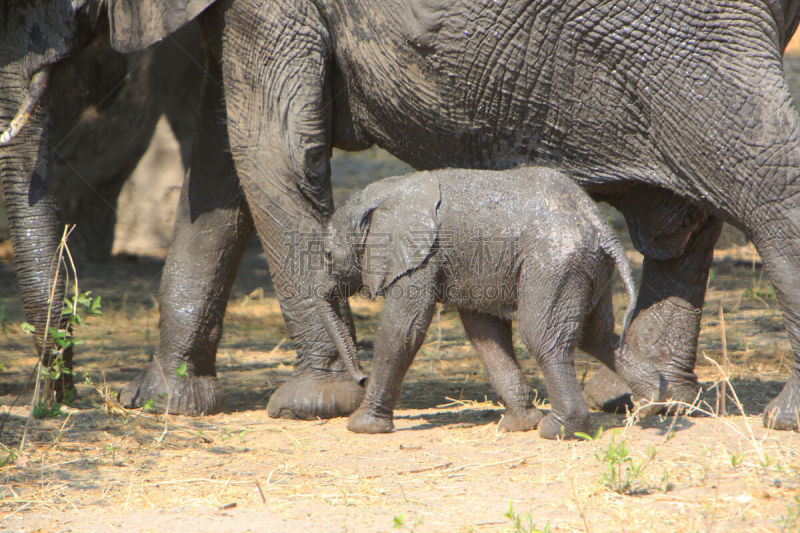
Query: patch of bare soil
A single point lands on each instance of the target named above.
(96, 467)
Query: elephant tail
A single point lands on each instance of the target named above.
(613, 247)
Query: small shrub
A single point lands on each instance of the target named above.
(623, 473)
(45, 409)
(518, 525)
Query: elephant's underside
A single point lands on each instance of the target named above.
(476, 89)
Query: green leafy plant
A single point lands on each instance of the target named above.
(181, 372)
(520, 524)
(623, 473)
(44, 409)
(791, 520)
(399, 522)
(74, 314)
(57, 334)
(149, 405)
(112, 450)
(588, 437)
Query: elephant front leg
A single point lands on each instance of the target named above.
(403, 323)
(278, 108)
(665, 329)
(212, 229)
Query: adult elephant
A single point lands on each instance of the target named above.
(77, 116)
(677, 113)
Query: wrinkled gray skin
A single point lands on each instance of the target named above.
(676, 112)
(525, 244)
(100, 111)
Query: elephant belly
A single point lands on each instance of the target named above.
(488, 86)
(494, 295)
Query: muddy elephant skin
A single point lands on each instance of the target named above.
(525, 244)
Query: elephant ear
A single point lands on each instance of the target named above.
(400, 231)
(136, 24)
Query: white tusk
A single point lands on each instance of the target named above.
(35, 92)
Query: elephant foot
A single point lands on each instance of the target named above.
(608, 392)
(647, 385)
(188, 395)
(554, 427)
(524, 421)
(309, 397)
(363, 422)
(784, 411)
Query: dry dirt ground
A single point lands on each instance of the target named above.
(96, 467)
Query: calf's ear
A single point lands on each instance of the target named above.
(399, 233)
(136, 24)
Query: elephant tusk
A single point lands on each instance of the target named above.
(35, 92)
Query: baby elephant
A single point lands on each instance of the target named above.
(525, 244)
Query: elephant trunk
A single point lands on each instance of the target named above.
(36, 89)
(340, 335)
(31, 208)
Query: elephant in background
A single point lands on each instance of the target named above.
(100, 111)
(525, 244)
(104, 114)
(40, 42)
(676, 113)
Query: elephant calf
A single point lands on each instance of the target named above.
(525, 244)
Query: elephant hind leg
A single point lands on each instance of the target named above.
(777, 239)
(663, 334)
(552, 307)
(491, 338)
